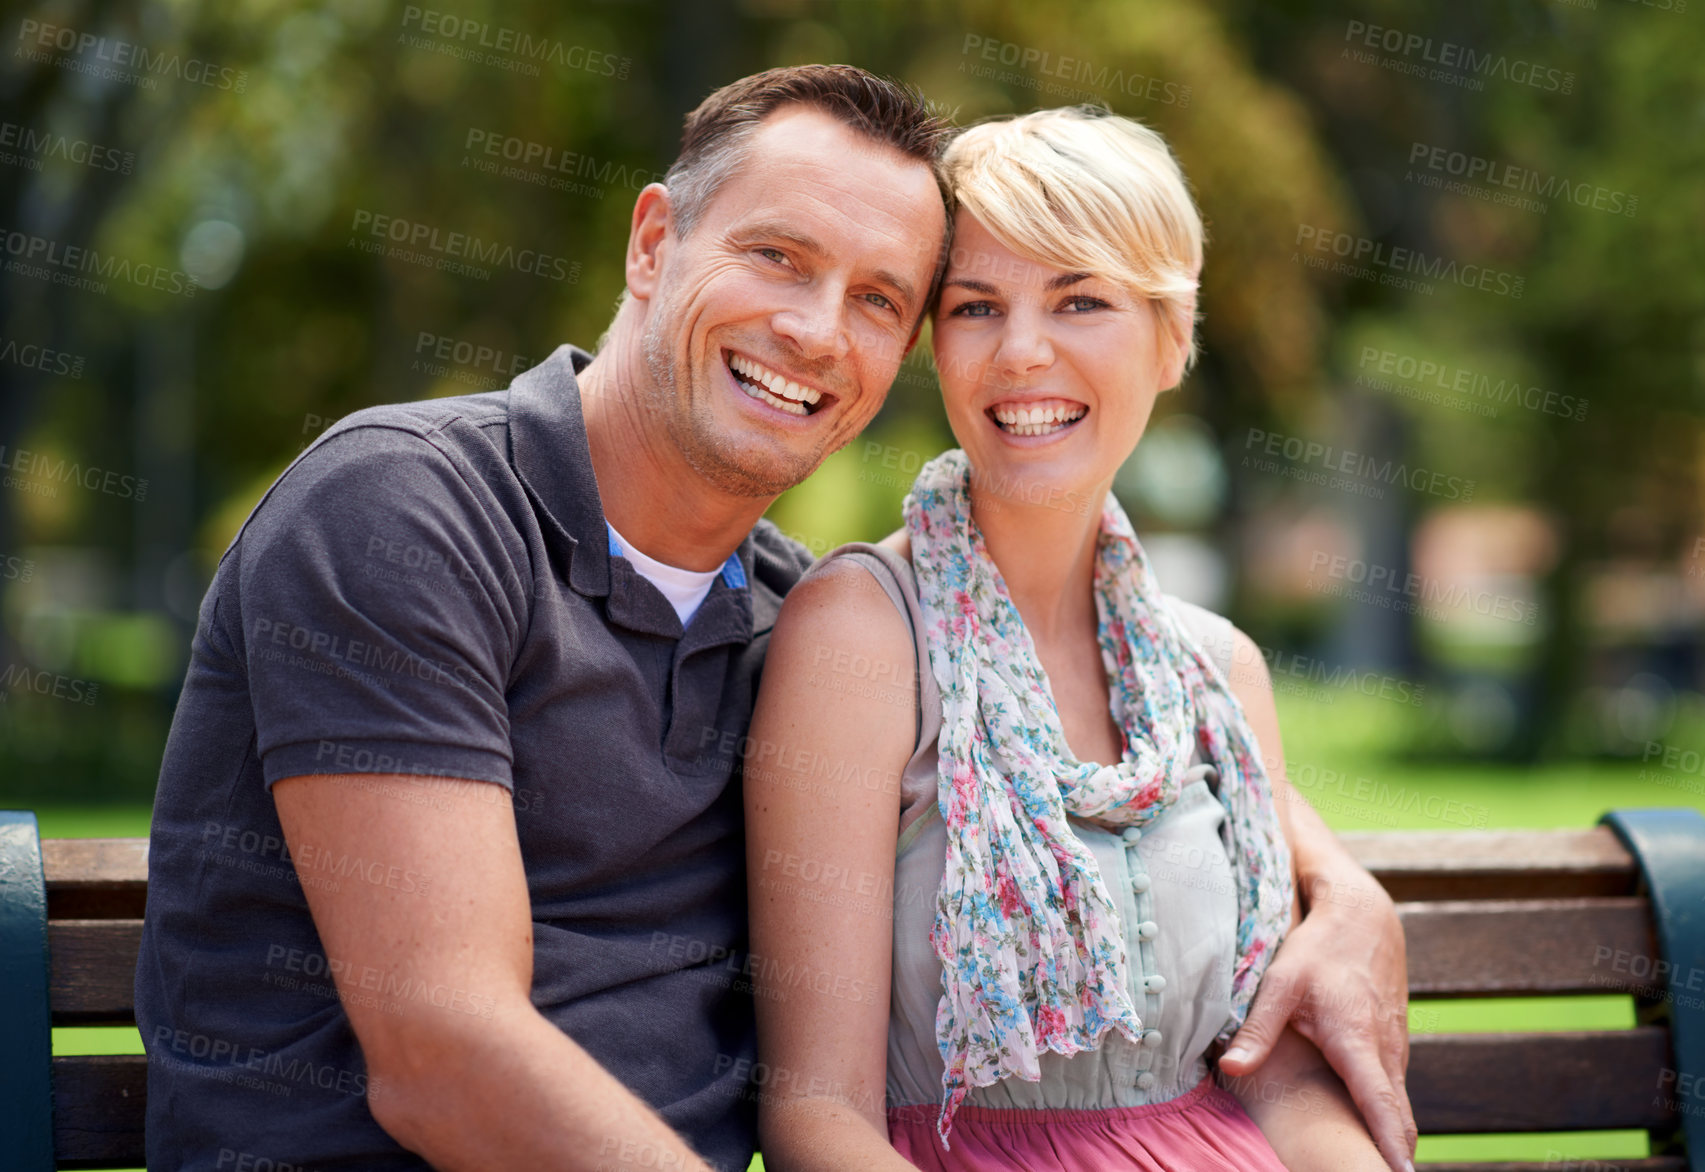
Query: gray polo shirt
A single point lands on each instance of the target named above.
(429, 589)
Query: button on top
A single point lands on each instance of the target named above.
(1145, 1080)
(1130, 834)
(1140, 883)
(1155, 983)
(1151, 1038)
(1147, 930)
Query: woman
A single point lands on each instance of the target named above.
(1015, 864)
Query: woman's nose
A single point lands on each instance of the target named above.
(1025, 346)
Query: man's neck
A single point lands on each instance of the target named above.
(650, 493)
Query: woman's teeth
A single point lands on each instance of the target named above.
(1037, 420)
(767, 386)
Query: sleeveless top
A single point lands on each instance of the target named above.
(1171, 880)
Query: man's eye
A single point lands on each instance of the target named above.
(774, 254)
(879, 301)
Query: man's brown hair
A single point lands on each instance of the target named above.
(715, 136)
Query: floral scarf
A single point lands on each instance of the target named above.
(1031, 945)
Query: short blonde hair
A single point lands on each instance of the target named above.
(1081, 189)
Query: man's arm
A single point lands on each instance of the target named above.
(470, 1076)
(1340, 979)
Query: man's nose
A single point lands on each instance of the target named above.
(815, 322)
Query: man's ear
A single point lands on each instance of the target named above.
(648, 240)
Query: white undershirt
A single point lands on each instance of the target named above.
(685, 589)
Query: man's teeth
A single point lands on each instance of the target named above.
(767, 386)
(1037, 420)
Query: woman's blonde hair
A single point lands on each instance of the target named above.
(1081, 189)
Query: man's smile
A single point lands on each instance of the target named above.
(772, 388)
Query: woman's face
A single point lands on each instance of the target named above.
(1048, 375)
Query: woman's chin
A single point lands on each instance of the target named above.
(1030, 483)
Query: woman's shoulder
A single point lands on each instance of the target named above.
(1213, 632)
(846, 602)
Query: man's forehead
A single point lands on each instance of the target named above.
(821, 201)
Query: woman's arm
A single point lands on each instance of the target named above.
(1334, 1000)
(834, 727)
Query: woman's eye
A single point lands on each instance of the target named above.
(973, 309)
(1084, 304)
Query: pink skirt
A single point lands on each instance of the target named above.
(1203, 1130)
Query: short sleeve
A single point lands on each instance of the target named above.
(382, 599)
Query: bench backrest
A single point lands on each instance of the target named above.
(1486, 914)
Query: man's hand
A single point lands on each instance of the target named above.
(1340, 979)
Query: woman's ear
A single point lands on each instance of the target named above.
(648, 240)
(1175, 330)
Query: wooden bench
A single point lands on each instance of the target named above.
(1487, 914)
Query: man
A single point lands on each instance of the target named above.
(447, 858)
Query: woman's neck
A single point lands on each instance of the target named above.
(1046, 556)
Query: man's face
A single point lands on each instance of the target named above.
(775, 329)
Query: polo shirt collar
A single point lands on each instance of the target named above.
(733, 574)
(547, 436)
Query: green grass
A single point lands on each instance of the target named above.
(1333, 755)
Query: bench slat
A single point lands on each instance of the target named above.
(1587, 1080)
(95, 878)
(1495, 864)
(92, 971)
(101, 878)
(1646, 1164)
(99, 1106)
(1509, 948)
